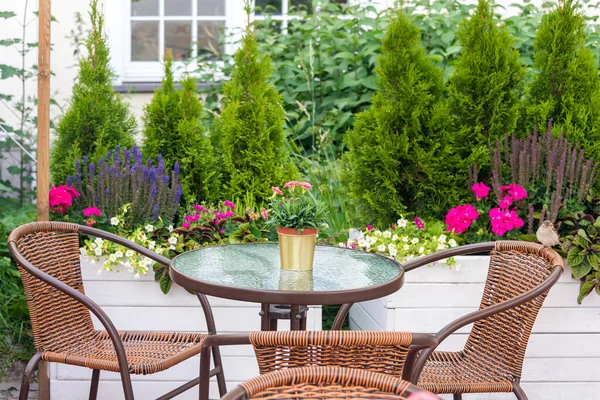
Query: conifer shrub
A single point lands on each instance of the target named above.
(97, 119)
(251, 127)
(399, 157)
(486, 86)
(173, 128)
(566, 86)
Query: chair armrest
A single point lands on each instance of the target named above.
(226, 339)
(485, 313)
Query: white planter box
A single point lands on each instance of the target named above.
(563, 357)
(138, 304)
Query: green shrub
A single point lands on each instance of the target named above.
(566, 87)
(486, 86)
(97, 119)
(251, 127)
(399, 156)
(173, 128)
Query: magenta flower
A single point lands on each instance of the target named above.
(481, 190)
(291, 184)
(420, 224)
(192, 218)
(71, 190)
(305, 185)
(369, 228)
(224, 215)
(229, 204)
(264, 213)
(92, 211)
(504, 220)
(515, 191)
(186, 225)
(60, 199)
(505, 202)
(460, 218)
(198, 207)
(276, 190)
(222, 231)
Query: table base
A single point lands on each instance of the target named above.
(271, 313)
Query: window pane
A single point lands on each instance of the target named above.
(144, 41)
(178, 36)
(144, 8)
(211, 7)
(268, 7)
(209, 38)
(178, 7)
(301, 5)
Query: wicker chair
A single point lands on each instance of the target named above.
(47, 254)
(323, 383)
(519, 278)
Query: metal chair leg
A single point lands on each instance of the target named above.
(94, 385)
(457, 396)
(27, 374)
(518, 390)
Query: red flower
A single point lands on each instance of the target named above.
(276, 190)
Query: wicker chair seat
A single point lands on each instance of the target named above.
(456, 372)
(147, 352)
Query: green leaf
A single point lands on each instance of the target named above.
(581, 270)
(574, 257)
(585, 289)
(7, 14)
(9, 42)
(14, 170)
(370, 82)
(165, 283)
(453, 50)
(6, 71)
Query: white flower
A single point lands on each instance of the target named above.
(452, 243)
(172, 239)
(99, 241)
(395, 238)
(371, 239)
(442, 238)
(421, 250)
(172, 247)
(170, 228)
(143, 237)
(129, 253)
(83, 251)
(381, 248)
(118, 254)
(137, 276)
(152, 245)
(98, 251)
(405, 239)
(440, 247)
(414, 240)
(391, 246)
(149, 228)
(377, 233)
(92, 261)
(402, 223)
(159, 250)
(114, 221)
(393, 252)
(112, 258)
(342, 244)
(387, 234)
(362, 243)
(406, 247)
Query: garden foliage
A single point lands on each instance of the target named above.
(398, 155)
(566, 87)
(173, 128)
(97, 118)
(251, 127)
(486, 85)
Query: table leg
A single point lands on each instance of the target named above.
(265, 323)
(295, 317)
(273, 324)
(341, 316)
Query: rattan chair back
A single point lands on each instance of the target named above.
(57, 319)
(501, 339)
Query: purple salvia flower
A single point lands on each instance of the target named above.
(101, 162)
(92, 169)
(84, 159)
(146, 172)
(127, 155)
(106, 191)
(166, 179)
(118, 149)
(152, 175)
(69, 180)
(530, 216)
(178, 194)
(155, 211)
(560, 172)
(549, 168)
(176, 168)
(153, 192)
(77, 165)
(78, 178)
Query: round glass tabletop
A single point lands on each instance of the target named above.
(251, 271)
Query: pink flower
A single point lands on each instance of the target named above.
(60, 198)
(505, 202)
(419, 223)
(504, 220)
(71, 190)
(222, 231)
(393, 227)
(422, 396)
(186, 225)
(92, 211)
(229, 204)
(369, 227)
(224, 215)
(198, 207)
(460, 218)
(264, 213)
(276, 190)
(481, 190)
(515, 191)
(90, 221)
(305, 185)
(192, 218)
(291, 184)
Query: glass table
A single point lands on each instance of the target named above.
(251, 272)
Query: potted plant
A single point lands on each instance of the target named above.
(297, 215)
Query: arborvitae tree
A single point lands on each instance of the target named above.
(566, 87)
(173, 127)
(399, 155)
(486, 86)
(251, 127)
(97, 118)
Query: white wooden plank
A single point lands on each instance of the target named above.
(550, 320)
(544, 391)
(361, 320)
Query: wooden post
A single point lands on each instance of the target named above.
(43, 141)
(43, 147)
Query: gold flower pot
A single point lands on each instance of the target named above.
(297, 250)
(296, 280)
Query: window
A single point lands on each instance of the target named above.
(279, 10)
